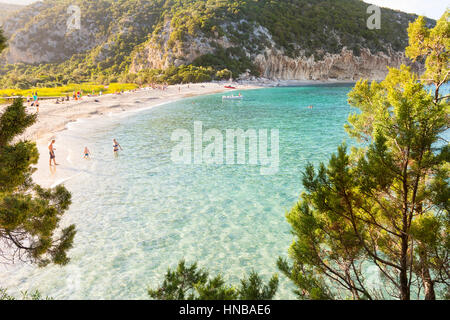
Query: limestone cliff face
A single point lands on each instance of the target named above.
(37, 34)
(160, 52)
(273, 64)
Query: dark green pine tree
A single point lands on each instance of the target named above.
(385, 204)
(29, 214)
(192, 283)
(2, 41)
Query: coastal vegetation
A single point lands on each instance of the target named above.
(62, 91)
(177, 75)
(191, 283)
(25, 295)
(384, 204)
(29, 214)
(115, 34)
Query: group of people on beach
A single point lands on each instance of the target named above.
(162, 87)
(86, 152)
(33, 101)
(62, 99)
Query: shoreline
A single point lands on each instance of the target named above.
(54, 118)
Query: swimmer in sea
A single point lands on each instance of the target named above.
(116, 147)
(87, 153)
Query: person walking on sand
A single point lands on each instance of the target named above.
(35, 100)
(87, 153)
(51, 150)
(116, 147)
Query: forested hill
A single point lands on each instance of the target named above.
(118, 39)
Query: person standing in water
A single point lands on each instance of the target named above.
(87, 153)
(51, 150)
(116, 147)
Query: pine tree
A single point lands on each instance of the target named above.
(384, 204)
(192, 283)
(29, 214)
(2, 41)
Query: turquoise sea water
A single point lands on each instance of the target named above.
(140, 213)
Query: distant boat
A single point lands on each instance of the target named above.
(230, 87)
(239, 97)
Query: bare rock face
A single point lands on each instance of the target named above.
(273, 64)
(38, 35)
(161, 52)
(152, 57)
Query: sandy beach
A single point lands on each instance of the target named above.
(54, 118)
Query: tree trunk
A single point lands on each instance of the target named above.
(428, 284)
(404, 286)
(429, 288)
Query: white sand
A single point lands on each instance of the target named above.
(53, 118)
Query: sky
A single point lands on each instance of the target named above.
(18, 1)
(430, 8)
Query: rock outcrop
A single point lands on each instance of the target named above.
(272, 63)
(38, 34)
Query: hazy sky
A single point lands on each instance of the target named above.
(18, 1)
(430, 8)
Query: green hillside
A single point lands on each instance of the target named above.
(115, 33)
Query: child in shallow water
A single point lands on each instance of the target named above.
(87, 153)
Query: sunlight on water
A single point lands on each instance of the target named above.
(139, 214)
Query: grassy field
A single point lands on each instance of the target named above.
(85, 88)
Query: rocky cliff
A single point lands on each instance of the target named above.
(274, 64)
(38, 34)
(270, 61)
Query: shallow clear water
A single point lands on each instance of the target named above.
(140, 213)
